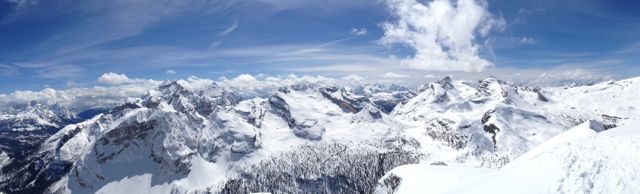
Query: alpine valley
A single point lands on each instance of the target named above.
(305, 135)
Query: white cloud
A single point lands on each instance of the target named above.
(61, 71)
(195, 83)
(354, 78)
(230, 29)
(527, 40)
(509, 42)
(170, 72)
(359, 32)
(121, 87)
(52, 70)
(442, 33)
(223, 33)
(80, 97)
(215, 44)
(428, 76)
(245, 78)
(112, 78)
(394, 75)
(100, 22)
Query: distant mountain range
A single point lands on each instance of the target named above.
(190, 137)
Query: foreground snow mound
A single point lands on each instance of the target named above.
(585, 159)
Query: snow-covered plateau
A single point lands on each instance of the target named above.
(310, 136)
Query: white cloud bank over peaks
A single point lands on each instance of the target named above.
(442, 33)
(118, 87)
(117, 79)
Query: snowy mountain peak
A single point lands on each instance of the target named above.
(182, 97)
(442, 84)
(181, 133)
(445, 82)
(509, 93)
(493, 87)
(34, 116)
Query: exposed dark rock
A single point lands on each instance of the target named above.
(392, 182)
(347, 104)
(438, 163)
(441, 130)
(609, 121)
(493, 130)
(541, 97)
(300, 128)
(487, 115)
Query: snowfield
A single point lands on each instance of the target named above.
(584, 159)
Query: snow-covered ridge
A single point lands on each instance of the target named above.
(584, 159)
(178, 124)
(181, 133)
(34, 116)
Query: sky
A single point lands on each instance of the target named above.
(64, 44)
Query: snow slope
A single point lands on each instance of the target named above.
(585, 159)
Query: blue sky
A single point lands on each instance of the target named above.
(70, 43)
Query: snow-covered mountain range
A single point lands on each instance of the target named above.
(202, 136)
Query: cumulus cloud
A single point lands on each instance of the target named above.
(79, 97)
(394, 75)
(359, 32)
(112, 78)
(353, 78)
(170, 72)
(195, 83)
(120, 87)
(443, 33)
(246, 78)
